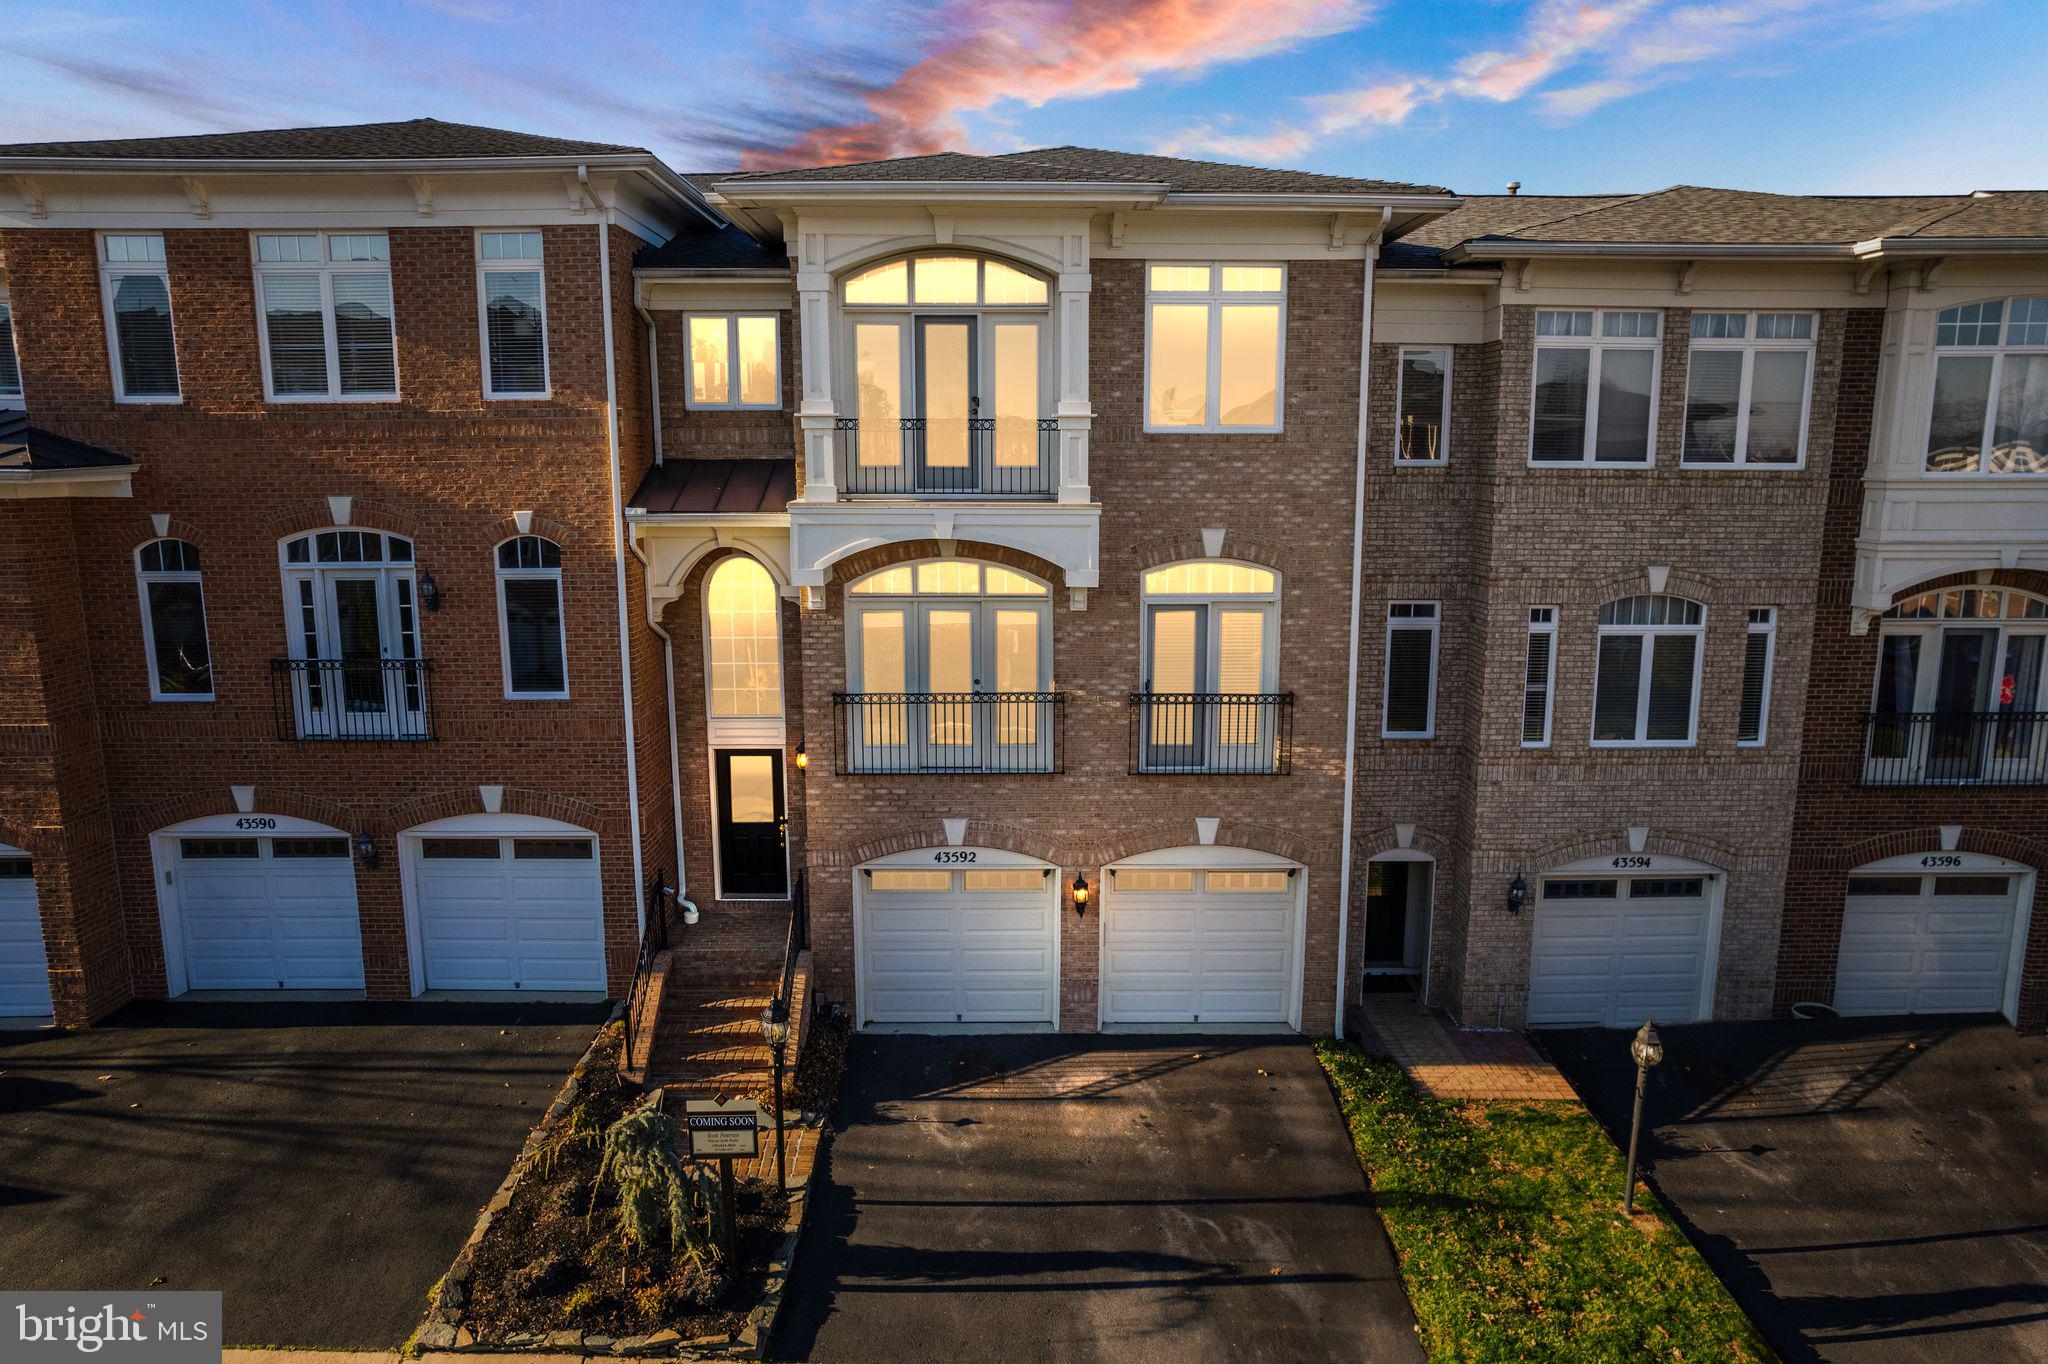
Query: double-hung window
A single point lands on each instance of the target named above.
(10, 368)
(1409, 706)
(1539, 672)
(1990, 405)
(1747, 383)
(1758, 648)
(530, 618)
(136, 288)
(733, 360)
(1213, 349)
(1595, 388)
(1422, 414)
(1646, 682)
(174, 621)
(327, 316)
(512, 293)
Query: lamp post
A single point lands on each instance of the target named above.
(1648, 1051)
(775, 1032)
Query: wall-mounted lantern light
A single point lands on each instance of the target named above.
(430, 592)
(803, 759)
(1080, 894)
(366, 850)
(1518, 894)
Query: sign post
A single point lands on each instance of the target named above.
(723, 1131)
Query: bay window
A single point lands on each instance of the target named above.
(512, 292)
(1213, 349)
(136, 287)
(1595, 387)
(733, 361)
(1747, 386)
(1989, 410)
(327, 329)
(1646, 678)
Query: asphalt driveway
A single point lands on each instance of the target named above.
(1870, 1189)
(318, 1163)
(1084, 1198)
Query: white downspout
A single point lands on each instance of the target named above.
(611, 425)
(1372, 251)
(668, 643)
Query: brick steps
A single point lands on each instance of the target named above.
(707, 1041)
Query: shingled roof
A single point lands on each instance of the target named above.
(413, 139)
(1089, 165)
(726, 248)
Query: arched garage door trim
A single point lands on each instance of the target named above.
(956, 864)
(484, 826)
(1931, 863)
(1198, 860)
(1627, 868)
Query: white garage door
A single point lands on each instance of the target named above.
(957, 946)
(268, 913)
(1612, 951)
(1926, 944)
(24, 972)
(510, 913)
(1203, 947)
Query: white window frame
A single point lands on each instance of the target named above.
(1542, 628)
(110, 273)
(1433, 623)
(327, 268)
(1763, 620)
(1996, 353)
(1749, 345)
(732, 369)
(1400, 401)
(504, 575)
(15, 399)
(1268, 603)
(143, 578)
(1930, 629)
(484, 268)
(1599, 344)
(1215, 298)
(916, 659)
(1651, 633)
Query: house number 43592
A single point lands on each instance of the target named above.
(952, 856)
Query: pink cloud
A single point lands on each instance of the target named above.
(1038, 51)
(1558, 33)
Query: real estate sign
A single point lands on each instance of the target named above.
(723, 1129)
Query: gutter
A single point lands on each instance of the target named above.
(668, 643)
(1372, 251)
(1521, 250)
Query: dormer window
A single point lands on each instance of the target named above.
(1989, 411)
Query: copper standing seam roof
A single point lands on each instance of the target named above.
(720, 487)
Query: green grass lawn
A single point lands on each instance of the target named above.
(1508, 1224)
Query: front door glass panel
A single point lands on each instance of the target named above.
(946, 387)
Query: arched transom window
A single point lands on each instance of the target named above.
(742, 619)
(354, 634)
(1646, 683)
(1990, 405)
(1962, 693)
(174, 621)
(1209, 667)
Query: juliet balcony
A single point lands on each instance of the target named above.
(1212, 733)
(364, 700)
(950, 733)
(942, 457)
(1956, 748)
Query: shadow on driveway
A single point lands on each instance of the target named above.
(1869, 1189)
(318, 1163)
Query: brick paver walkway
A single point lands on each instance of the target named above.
(1449, 1062)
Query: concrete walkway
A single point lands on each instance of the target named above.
(1449, 1062)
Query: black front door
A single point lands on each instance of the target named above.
(751, 817)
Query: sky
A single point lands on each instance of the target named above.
(1565, 96)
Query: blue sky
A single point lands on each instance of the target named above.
(1860, 96)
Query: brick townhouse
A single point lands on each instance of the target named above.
(1105, 590)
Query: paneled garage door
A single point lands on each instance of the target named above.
(1612, 951)
(1208, 947)
(510, 913)
(24, 971)
(1926, 944)
(946, 946)
(268, 913)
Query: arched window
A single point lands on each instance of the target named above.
(174, 621)
(1962, 691)
(1209, 667)
(530, 618)
(1646, 682)
(354, 635)
(742, 623)
(1989, 411)
(951, 381)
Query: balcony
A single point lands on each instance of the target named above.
(1957, 748)
(1212, 733)
(359, 700)
(938, 457)
(950, 733)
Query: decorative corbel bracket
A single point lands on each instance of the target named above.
(1336, 232)
(1865, 274)
(1116, 231)
(1930, 273)
(1522, 270)
(422, 194)
(195, 195)
(31, 191)
(1686, 271)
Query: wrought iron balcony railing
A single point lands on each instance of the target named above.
(996, 457)
(1957, 748)
(353, 699)
(1217, 733)
(950, 733)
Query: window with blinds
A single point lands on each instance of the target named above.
(1746, 389)
(1595, 387)
(1538, 670)
(10, 369)
(1756, 676)
(137, 286)
(1409, 701)
(328, 320)
(512, 292)
(1646, 677)
(530, 618)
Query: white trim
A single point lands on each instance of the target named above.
(143, 578)
(1653, 867)
(779, 748)
(503, 575)
(1645, 672)
(732, 403)
(163, 856)
(1596, 344)
(111, 271)
(1768, 628)
(1548, 630)
(1749, 345)
(1433, 624)
(325, 269)
(923, 859)
(484, 268)
(739, 731)
(1215, 299)
(483, 826)
(1443, 419)
(1997, 353)
(2024, 880)
(1428, 920)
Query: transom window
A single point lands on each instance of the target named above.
(353, 629)
(733, 360)
(1989, 411)
(1213, 348)
(743, 624)
(512, 289)
(136, 286)
(1646, 679)
(348, 547)
(530, 631)
(1747, 386)
(1595, 387)
(174, 621)
(970, 281)
(327, 316)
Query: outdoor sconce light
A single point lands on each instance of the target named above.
(1648, 1050)
(1080, 894)
(430, 592)
(1518, 894)
(803, 759)
(775, 1032)
(366, 850)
